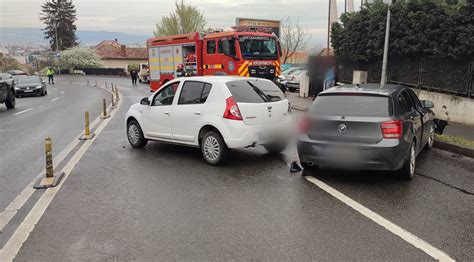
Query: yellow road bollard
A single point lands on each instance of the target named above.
(113, 105)
(117, 97)
(48, 149)
(87, 132)
(104, 114)
(51, 179)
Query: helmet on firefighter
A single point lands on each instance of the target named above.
(180, 66)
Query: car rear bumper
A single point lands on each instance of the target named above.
(240, 135)
(386, 155)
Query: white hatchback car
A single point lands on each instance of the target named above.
(215, 113)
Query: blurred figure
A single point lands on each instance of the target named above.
(134, 75)
(50, 73)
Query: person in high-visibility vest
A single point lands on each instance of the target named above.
(50, 73)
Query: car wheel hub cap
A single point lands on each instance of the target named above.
(412, 161)
(431, 137)
(211, 148)
(133, 134)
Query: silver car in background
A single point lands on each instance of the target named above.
(366, 127)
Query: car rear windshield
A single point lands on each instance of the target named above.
(351, 105)
(254, 91)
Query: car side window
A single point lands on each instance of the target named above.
(211, 46)
(194, 92)
(166, 95)
(405, 102)
(415, 99)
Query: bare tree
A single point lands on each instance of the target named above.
(294, 38)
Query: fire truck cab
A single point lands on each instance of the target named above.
(255, 54)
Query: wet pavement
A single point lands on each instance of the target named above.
(164, 202)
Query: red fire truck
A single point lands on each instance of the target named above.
(243, 53)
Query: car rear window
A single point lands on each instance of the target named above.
(254, 91)
(351, 105)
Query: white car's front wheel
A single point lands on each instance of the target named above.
(135, 135)
(213, 148)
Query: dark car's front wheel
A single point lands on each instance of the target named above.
(10, 102)
(408, 170)
(431, 138)
(135, 135)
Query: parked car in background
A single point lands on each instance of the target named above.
(215, 113)
(294, 79)
(282, 83)
(291, 70)
(144, 73)
(366, 127)
(30, 85)
(7, 90)
(16, 72)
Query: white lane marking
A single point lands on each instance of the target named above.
(54, 99)
(24, 111)
(10, 211)
(11, 248)
(400, 232)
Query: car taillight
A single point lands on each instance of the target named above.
(232, 111)
(305, 125)
(392, 129)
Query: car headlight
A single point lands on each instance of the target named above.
(38, 87)
(17, 88)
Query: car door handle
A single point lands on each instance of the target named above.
(197, 113)
(167, 113)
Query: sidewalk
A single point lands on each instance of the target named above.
(460, 130)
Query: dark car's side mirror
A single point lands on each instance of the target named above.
(427, 104)
(145, 101)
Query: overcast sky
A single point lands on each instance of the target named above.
(140, 16)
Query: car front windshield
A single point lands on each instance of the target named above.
(28, 80)
(258, 47)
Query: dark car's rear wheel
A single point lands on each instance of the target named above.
(213, 148)
(10, 102)
(408, 170)
(135, 135)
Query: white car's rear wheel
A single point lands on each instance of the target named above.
(213, 148)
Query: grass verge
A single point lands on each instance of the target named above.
(456, 140)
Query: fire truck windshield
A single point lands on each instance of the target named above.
(258, 47)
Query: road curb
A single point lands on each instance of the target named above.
(469, 152)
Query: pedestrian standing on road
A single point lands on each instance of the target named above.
(134, 75)
(50, 73)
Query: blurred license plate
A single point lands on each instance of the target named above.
(342, 153)
(27, 91)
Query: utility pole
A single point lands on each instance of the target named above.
(383, 78)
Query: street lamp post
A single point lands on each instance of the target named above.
(57, 42)
(383, 78)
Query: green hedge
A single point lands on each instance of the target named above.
(418, 27)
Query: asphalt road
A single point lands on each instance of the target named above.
(59, 115)
(164, 203)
